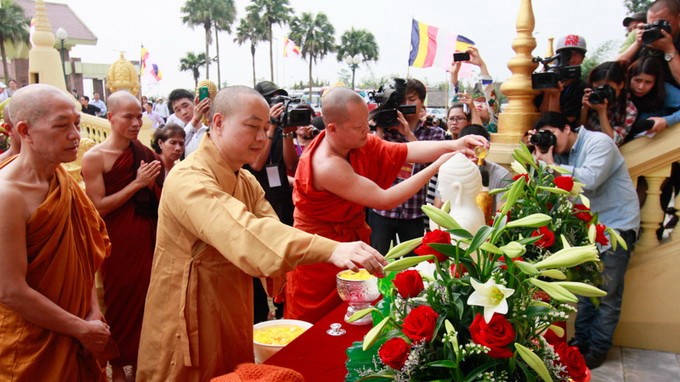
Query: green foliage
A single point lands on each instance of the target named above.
(637, 5)
(315, 36)
(253, 30)
(358, 41)
(270, 12)
(595, 57)
(193, 62)
(13, 29)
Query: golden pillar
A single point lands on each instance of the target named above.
(520, 113)
(44, 62)
(122, 75)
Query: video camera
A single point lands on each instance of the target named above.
(294, 113)
(391, 100)
(652, 31)
(553, 74)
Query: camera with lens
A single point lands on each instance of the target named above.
(652, 31)
(294, 113)
(602, 93)
(544, 139)
(391, 100)
(555, 69)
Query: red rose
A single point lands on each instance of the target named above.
(496, 335)
(599, 236)
(436, 236)
(582, 212)
(457, 270)
(419, 323)
(573, 360)
(409, 283)
(524, 176)
(564, 182)
(503, 265)
(394, 352)
(548, 238)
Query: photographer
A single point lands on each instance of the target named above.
(660, 38)
(593, 159)
(406, 220)
(566, 97)
(607, 106)
(485, 98)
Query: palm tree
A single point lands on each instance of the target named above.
(271, 12)
(315, 35)
(251, 28)
(223, 23)
(205, 13)
(13, 28)
(192, 62)
(355, 43)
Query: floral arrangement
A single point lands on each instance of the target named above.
(482, 306)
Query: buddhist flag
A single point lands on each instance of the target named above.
(434, 47)
(148, 69)
(290, 48)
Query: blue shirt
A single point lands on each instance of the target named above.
(596, 161)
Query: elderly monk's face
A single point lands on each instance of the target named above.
(55, 137)
(353, 130)
(126, 119)
(241, 135)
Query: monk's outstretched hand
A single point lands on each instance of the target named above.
(357, 255)
(94, 336)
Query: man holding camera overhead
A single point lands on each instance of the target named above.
(659, 37)
(344, 170)
(594, 159)
(566, 95)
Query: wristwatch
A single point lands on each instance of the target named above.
(669, 56)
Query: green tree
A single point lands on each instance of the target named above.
(13, 28)
(357, 43)
(193, 62)
(223, 23)
(250, 29)
(271, 12)
(207, 13)
(637, 5)
(314, 33)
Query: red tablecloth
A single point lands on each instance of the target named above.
(317, 355)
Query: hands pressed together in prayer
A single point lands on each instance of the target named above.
(147, 173)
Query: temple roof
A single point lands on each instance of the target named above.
(61, 15)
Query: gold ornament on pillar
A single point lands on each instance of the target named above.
(122, 75)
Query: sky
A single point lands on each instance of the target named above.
(124, 25)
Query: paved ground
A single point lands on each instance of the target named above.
(635, 365)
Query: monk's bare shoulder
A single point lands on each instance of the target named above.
(12, 194)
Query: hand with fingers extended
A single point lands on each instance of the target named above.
(147, 173)
(357, 254)
(94, 336)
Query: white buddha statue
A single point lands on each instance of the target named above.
(459, 183)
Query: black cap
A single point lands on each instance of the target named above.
(638, 16)
(268, 88)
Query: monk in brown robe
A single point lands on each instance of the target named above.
(123, 178)
(216, 231)
(343, 171)
(53, 241)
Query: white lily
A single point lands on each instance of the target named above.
(491, 296)
(518, 168)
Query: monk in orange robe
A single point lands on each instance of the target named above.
(53, 243)
(123, 178)
(343, 171)
(216, 231)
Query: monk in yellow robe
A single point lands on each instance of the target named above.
(216, 232)
(53, 242)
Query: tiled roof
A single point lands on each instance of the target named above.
(61, 15)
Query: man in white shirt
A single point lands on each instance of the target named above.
(190, 111)
(96, 101)
(161, 108)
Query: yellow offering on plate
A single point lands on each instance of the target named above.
(277, 335)
(349, 275)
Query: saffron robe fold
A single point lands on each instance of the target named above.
(66, 242)
(311, 289)
(126, 273)
(216, 232)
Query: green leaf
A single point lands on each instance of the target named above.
(554, 190)
(533, 361)
(480, 237)
(379, 377)
(461, 233)
(361, 313)
(406, 263)
(403, 248)
(442, 363)
(374, 333)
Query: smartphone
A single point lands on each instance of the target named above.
(203, 93)
(461, 56)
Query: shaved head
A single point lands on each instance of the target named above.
(120, 98)
(229, 99)
(29, 103)
(337, 102)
